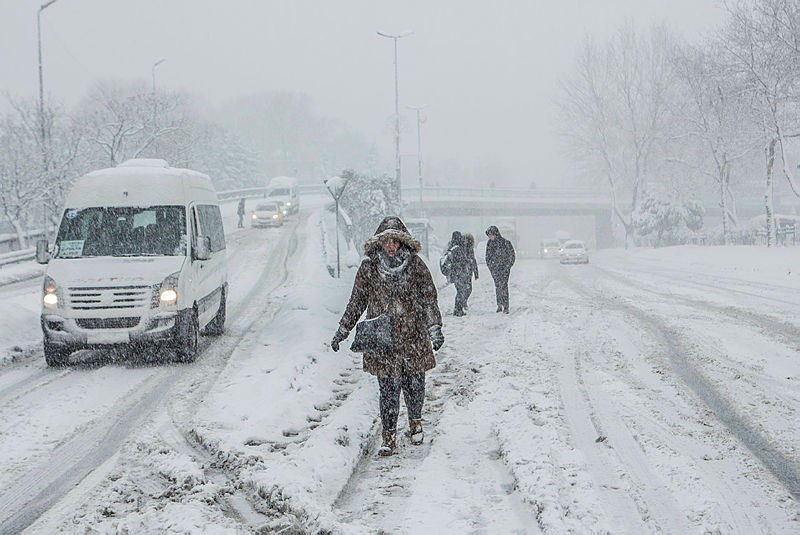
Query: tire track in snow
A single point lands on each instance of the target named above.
(382, 490)
(788, 331)
(783, 468)
(37, 490)
(763, 388)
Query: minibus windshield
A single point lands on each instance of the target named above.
(122, 231)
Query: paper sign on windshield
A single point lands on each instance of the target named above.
(70, 248)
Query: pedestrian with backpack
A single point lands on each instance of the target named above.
(460, 271)
(470, 242)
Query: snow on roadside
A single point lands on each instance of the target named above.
(20, 271)
(516, 392)
(273, 418)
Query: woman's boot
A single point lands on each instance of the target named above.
(387, 448)
(415, 432)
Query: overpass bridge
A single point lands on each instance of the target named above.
(496, 202)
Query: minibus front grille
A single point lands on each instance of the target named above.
(110, 297)
(107, 323)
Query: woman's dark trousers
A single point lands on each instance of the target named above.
(413, 387)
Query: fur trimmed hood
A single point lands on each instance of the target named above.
(392, 228)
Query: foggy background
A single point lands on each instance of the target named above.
(487, 71)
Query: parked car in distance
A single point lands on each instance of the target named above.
(549, 248)
(573, 252)
(267, 214)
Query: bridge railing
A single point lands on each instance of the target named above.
(411, 194)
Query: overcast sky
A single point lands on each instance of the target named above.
(487, 70)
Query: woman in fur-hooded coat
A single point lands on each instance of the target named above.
(392, 267)
(414, 308)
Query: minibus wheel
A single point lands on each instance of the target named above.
(56, 357)
(217, 325)
(188, 338)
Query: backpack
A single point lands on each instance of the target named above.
(446, 264)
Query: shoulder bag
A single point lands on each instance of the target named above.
(375, 335)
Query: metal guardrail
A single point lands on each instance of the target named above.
(17, 256)
(249, 193)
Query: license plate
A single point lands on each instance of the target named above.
(108, 338)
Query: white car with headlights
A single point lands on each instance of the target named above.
(139, 260)
(573, 252)
(267, 214)
(549, 248)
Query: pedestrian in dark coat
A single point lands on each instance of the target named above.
(460, 271)
(393, 268)
(500, 256)
(240, 213)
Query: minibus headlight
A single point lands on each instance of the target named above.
(49, 293)
(168, 297)
(167, 293)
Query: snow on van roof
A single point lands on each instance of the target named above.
(144, 162)
(141, 183)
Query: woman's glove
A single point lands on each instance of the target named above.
(340, 335)
(437, 338)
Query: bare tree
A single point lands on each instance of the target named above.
(762, 45)
(130, 121)
(716, 116)
(35, 174)
(615, 109)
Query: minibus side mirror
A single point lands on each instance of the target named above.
(42, 251)
(203, 249)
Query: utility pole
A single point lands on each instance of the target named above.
(420, 120)
(398, 184)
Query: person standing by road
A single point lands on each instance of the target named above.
(500, 256)
(394, 279)
(240, 212)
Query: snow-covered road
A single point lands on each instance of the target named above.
(649, 391)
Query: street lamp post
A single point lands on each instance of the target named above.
(156, 64)
(420, 120)
(395, 37)
(41, 76)
(42, 128)
(155, 102)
